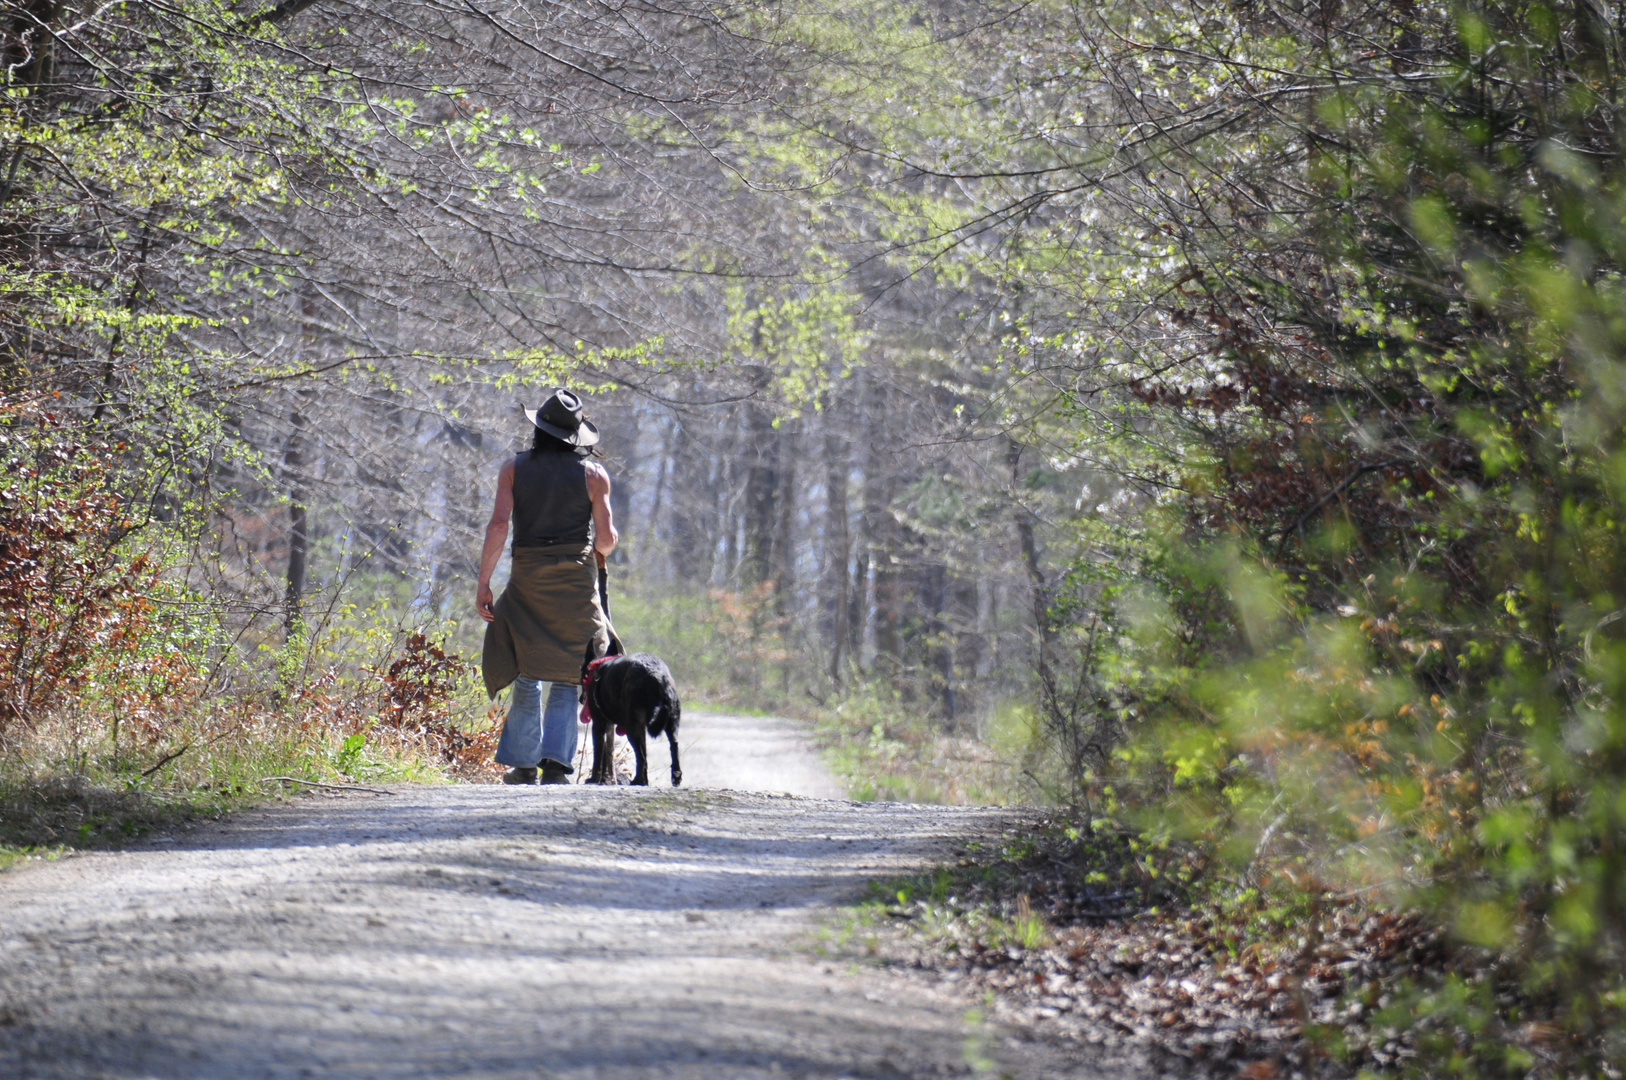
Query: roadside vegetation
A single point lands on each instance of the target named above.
(1077, 935)
(125, 706)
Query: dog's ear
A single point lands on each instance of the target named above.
(615, 648)
(587, 659)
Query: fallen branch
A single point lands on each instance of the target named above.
(330, 787)
(166, 760)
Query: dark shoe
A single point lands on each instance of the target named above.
(555, 773)
(520, 776)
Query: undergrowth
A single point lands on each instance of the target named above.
(883, 749)
(129, 700)
(1109, 937)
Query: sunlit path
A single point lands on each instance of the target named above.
(745, 753)
(573, 932)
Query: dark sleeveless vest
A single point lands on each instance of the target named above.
(551, 505)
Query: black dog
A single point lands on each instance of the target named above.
(636, 694)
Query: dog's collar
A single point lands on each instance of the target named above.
(592, 669)
(587, 698)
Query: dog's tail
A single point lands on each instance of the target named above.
(663, 718)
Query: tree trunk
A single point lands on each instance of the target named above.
(653, 523)
(691, 479)
(732, 526)
(837, 547)
(939, 646)
(761, 488)
(784, 533)
(1039, 590)
(965, 611)
(784, 548)
(858, 609)
(725, 526)
(881, 530)
(878, 557)
(995, 644)
(859, 596)
(293, 463)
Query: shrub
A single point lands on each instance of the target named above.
(419, 687)
(76, 584)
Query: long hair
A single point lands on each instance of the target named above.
(544, 443)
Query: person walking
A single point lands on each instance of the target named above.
(538, 631)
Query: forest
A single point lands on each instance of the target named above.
(1207, 419)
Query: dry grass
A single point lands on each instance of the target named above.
(68, 785)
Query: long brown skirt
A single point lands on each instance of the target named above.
(545, 618)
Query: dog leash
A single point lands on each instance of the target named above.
(604, 597)
(604, 604)
(603, 582)
(581, 751)
(586, 711)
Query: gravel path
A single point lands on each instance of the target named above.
(460, 930)
(746, 753)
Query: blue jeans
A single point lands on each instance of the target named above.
(531, 734)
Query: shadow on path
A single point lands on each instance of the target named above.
(479, 931)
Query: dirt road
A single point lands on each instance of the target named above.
(747, 753)
(478, 931)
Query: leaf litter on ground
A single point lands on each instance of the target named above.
(1095, 938)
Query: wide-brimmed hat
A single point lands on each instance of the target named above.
(561, 417)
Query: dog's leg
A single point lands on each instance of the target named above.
(671, 740)
(592, 733)
(638, 735)
(603, 736)
(608, 776)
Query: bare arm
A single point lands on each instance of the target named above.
(496, 535)
(598, 489)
